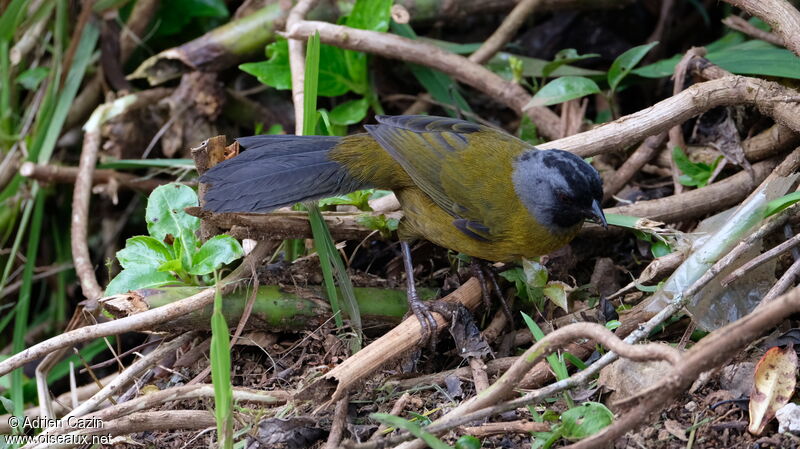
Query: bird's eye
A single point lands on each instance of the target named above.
(563, 197)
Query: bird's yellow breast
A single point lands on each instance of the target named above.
(424, 219)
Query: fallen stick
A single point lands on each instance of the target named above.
(398, 341)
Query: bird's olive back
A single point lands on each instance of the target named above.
(557, 187)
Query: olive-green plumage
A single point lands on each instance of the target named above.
(477, 177)
(467, 187)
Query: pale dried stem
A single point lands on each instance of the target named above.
(396, 47)
(505, 32)
(642, 155)
(80, 216)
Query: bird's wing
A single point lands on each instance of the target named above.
(465, 168)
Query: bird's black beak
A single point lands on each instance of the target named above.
(596, 214)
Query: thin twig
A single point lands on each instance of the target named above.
(80, 215)
(761, 259)
(633, 164)
(780, 15)
(505, 32)
(339, 423)
(68, 175)
(739, 24)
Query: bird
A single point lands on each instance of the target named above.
(463, 186)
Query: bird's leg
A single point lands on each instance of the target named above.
(478, 265)
(420, 309)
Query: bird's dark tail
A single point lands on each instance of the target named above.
(276, 171)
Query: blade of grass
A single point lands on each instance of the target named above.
(221, 372)
(330, 260)
(23, 304)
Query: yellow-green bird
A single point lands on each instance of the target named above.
(463, 186)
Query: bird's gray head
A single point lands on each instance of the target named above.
(558, 188)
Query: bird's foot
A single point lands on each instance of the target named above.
(428, 324)
(486, 277)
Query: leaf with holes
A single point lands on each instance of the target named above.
(773, 386)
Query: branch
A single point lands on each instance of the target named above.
(770, 98)
(67, 175)
(418, 52)
(709, 353)
(780, 15)
(505, 32)
(739, 24)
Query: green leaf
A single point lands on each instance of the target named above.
(350, 112)
(744, 58)
(468, 442)
(412, 428)
(177, 14)
(558, 367)
(221, 372)
(31, 78)
(217, 251)
(171, 265)
(164, 213)
(659, 248)
(613, 324)
(779, 204)
(13, 14)
(566, 56)
(275, 71)
(144, 251)
(359, 199)
(585, 420)
(535, 273)
(165, 216)
(334, 73)
(694, 173)
(138, 277)
(626, 62)
(557, 293)
(372, 15)
(563, 89)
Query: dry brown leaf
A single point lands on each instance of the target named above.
(772, 387)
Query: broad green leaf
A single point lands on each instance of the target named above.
(334, 74)
(585, 420)
(779, 204)
(216, 252)
(138, 277)
(372, 15)
(171, 265)
(535, 273)
(694, 173)
(557, 293)
(273, 72)
(144, 251)
(349, 112)
(31, 78)
(563, 89)
(164, 213)
(359, 199)
(626, 62)
(563, 57)
(468, 442)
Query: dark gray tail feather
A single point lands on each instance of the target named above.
(276, 171)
